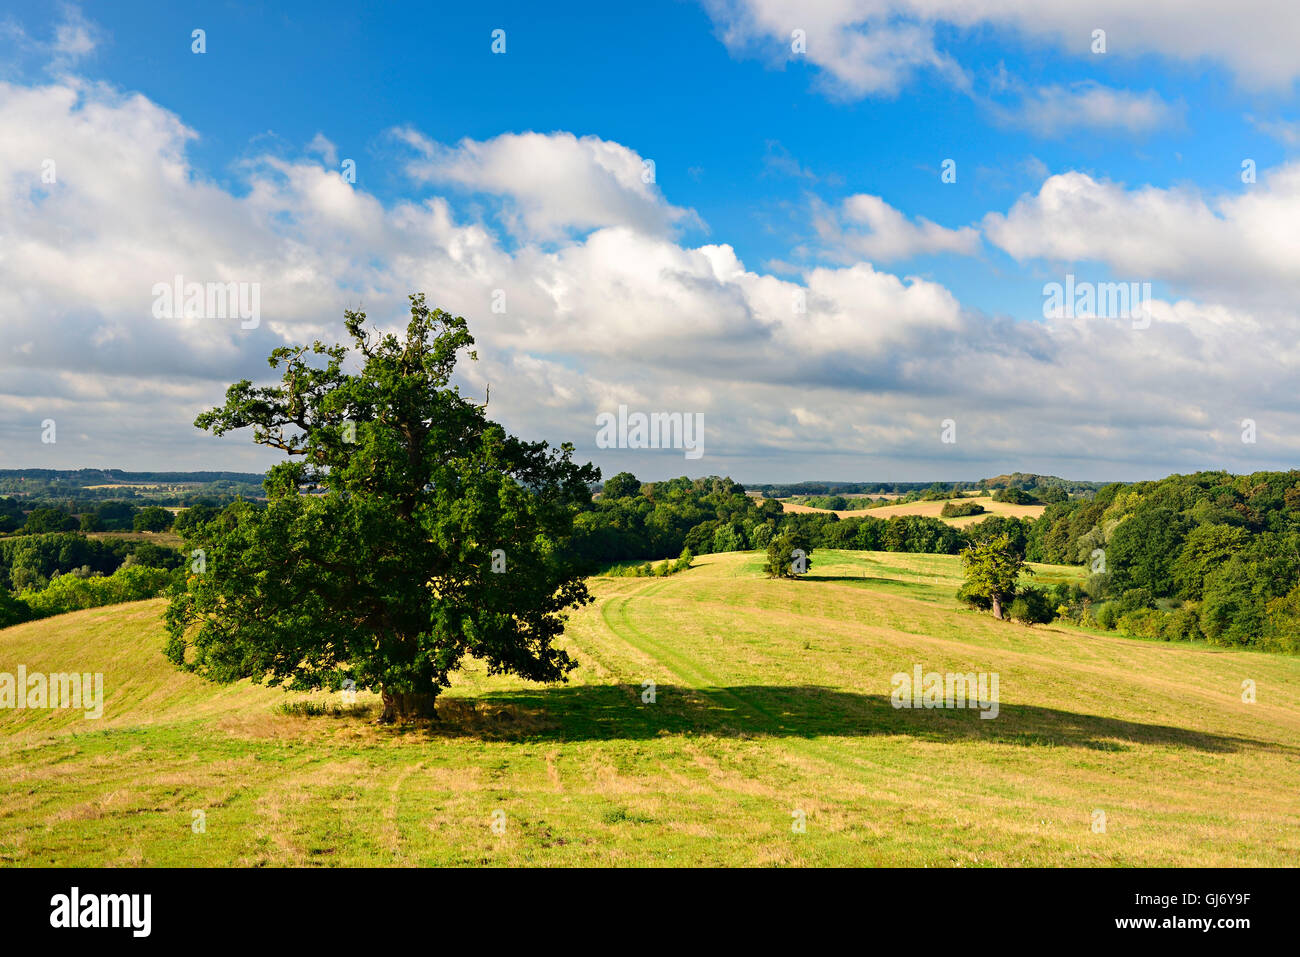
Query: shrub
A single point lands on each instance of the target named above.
(1014, 496)
(1142, 623)
(974, 598)
(1135, 599)
(959, 509)
(67, 593)
(1106, 615)
(1032, 606)
(13, 610)
(1183, 624)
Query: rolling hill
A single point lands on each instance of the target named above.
(771, 706)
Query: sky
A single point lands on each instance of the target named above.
(833, 230)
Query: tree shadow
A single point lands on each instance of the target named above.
(617, 712)
(870, 579)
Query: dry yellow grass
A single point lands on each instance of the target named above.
(773, 697)
(932, 510)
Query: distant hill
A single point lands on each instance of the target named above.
(1029, 481)
(1022, 480)
(72, 488)
(82, 477)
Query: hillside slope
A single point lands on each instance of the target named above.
(771, 705)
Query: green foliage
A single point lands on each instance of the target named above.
(1205, 549)
(789, 554)
(1032, 606)
(42, 521)
(188, 521)
(1282, 623)
(621, 485)
(830, 503)
(109, 517)
(11, 515)
(31, 560)
(1015, 496)
(975, 596)
(1106, 615)
(992, 567)
(1051, 494)
(72, 592)
(650, 570)
(154, 518)
(1223, 548)
(960, 509)
(386, 577)
(13, 610)
(662, 518)
(1143, 548)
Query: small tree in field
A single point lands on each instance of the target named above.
(993, 568)
(406, 531)
(789, 554)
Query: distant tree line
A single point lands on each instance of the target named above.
(18, 517)
(1208, 556)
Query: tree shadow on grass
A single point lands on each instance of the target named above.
(869, 580)
(617, 712)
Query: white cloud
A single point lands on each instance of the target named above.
(556, 182)
(1242, 245)
(846, 372)
(75, 37)
(866, 227)
(1284, 131)
(863, 47)
(875, 46)
(322, 146)
(1055, 110)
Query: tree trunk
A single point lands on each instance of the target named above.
(400, 705)
(997, 607)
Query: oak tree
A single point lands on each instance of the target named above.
(405, 531)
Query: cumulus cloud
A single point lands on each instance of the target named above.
(1240, 246)
(555, 183)
(868, 47)
(866, 227)
(864, 48)
(840, 371)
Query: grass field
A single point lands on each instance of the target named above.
(772, 700)
(170, 539)
(932, 509)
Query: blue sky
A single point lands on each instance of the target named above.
(756, 148)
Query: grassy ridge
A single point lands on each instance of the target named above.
(772, 698)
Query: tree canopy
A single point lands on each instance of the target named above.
(993, 567)
(405, 532)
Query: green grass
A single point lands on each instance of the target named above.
(772, 697)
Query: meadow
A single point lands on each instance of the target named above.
(771, 708)
(930, 510)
